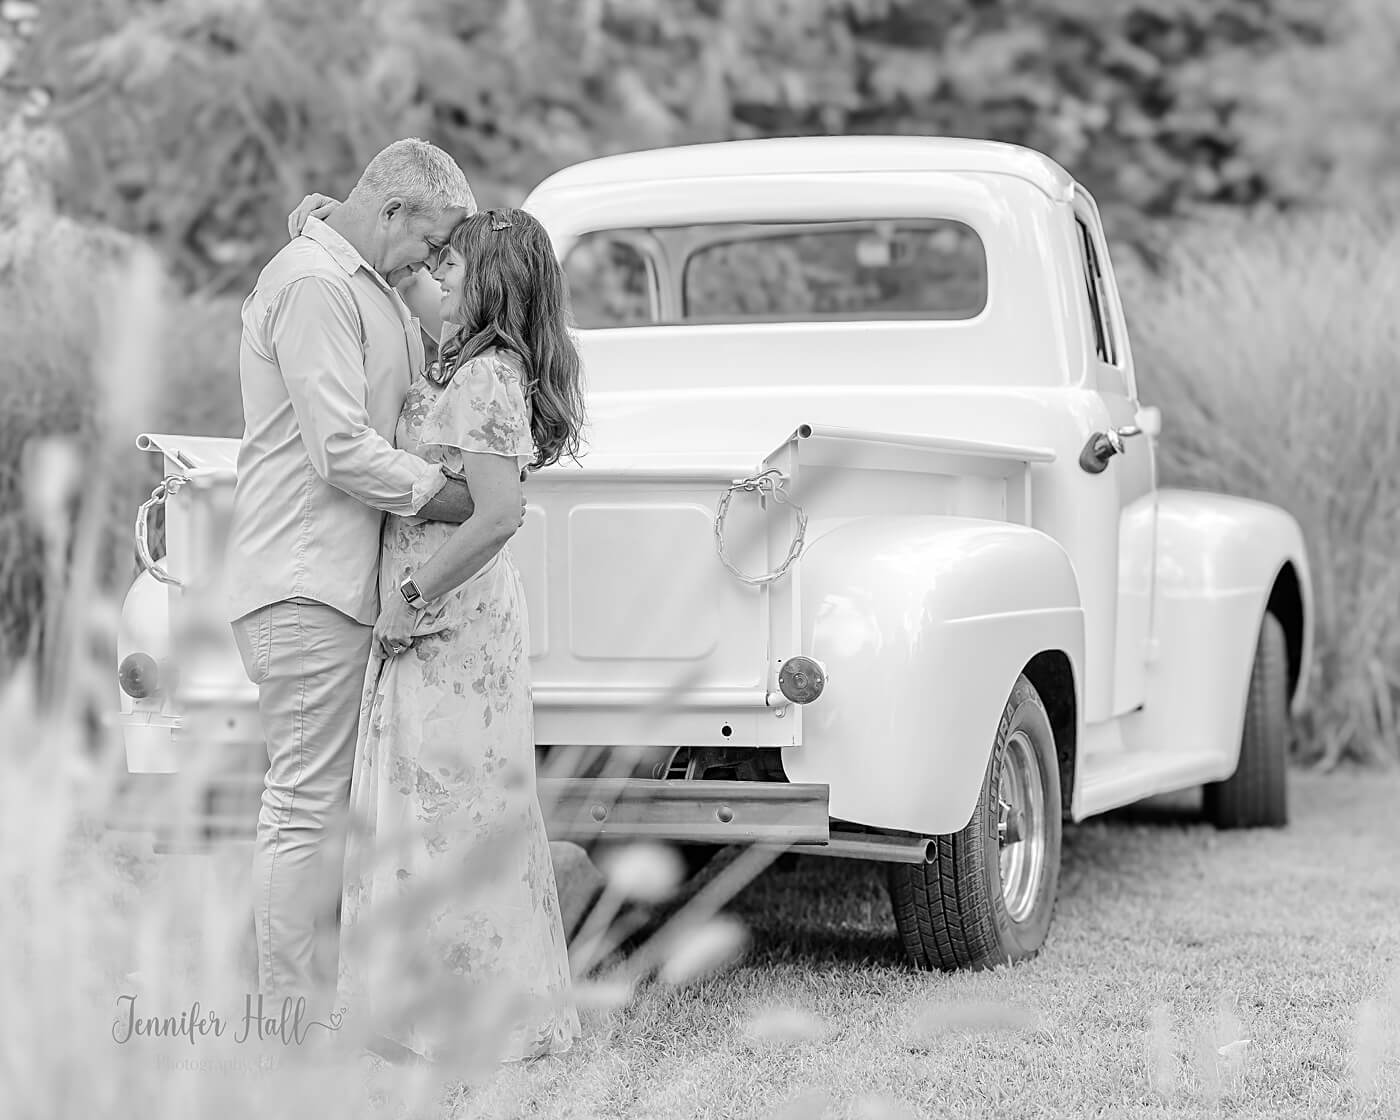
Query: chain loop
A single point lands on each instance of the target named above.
(166, 487)
(769, 482)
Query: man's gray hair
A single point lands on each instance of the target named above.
(422, 174)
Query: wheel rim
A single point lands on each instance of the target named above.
(1020, 825)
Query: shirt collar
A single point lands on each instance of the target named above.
(341, 251)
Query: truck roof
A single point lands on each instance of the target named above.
(808, 155)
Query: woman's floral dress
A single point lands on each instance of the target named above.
(452, 943)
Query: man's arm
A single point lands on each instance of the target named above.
(314, 333)
(453, 503)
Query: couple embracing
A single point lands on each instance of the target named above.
(391, 653)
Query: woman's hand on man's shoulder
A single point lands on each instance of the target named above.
(318, 206)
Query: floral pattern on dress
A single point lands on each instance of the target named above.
(445, 819)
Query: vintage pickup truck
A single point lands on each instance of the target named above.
(866, 556)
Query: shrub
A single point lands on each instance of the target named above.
(1272, 349)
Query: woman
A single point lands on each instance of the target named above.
(449, 889)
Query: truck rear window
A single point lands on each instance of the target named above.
(823, 271)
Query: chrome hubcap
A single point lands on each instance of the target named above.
(1020, 826)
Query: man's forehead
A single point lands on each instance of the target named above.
(441, 227)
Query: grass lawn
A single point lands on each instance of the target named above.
(1170, 941)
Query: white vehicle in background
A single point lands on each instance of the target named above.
(867, 555)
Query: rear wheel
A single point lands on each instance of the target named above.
(987, 897)
(1256, 794)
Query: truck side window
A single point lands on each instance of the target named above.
(610, 284)
(1098, 298)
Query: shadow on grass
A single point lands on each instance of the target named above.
(1182, 809)
(824, 912)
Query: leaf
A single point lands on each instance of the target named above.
(782, 1023)
(971, 1018)
(644, 871)
(704, 949)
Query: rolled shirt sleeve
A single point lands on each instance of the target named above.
(313, 328)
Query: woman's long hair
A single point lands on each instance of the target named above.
(513, 297)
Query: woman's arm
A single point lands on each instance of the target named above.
(495, 484)
(312, 206)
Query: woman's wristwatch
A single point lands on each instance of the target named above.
(412, 595)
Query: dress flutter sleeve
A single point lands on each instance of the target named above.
(482, 409)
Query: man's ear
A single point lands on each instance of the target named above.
(392, 206)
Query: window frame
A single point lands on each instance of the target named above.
(653, 257)
(1102, 320)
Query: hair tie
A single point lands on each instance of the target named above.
(500, 222)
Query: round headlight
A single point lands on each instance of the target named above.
(801, 679)
(139, 675)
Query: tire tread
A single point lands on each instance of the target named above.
(1256, 795)
(942, 910)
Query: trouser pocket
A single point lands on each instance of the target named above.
(253, 635)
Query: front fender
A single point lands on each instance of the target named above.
(923, 624)
(1219, 561)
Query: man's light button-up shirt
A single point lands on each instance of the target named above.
(327, 355)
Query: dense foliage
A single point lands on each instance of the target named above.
(195, 122)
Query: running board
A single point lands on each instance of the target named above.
(1119, 779)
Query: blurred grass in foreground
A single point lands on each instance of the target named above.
(1273, 349)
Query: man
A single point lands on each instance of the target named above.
(327, 354)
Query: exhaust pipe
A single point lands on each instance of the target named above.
(871, 846)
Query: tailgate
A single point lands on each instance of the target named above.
(638, 632)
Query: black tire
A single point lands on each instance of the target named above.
(952, 913)
(1256, 794)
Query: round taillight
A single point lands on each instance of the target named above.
(139, 675)
(801, 679)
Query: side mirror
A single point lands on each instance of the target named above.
(1149, 419)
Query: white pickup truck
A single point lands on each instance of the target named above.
(866, 556)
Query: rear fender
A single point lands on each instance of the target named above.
(923, 624)
(1221, 563)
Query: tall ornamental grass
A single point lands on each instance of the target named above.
(1273, 349)
(59, 378)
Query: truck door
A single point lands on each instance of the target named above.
(1134, 472)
